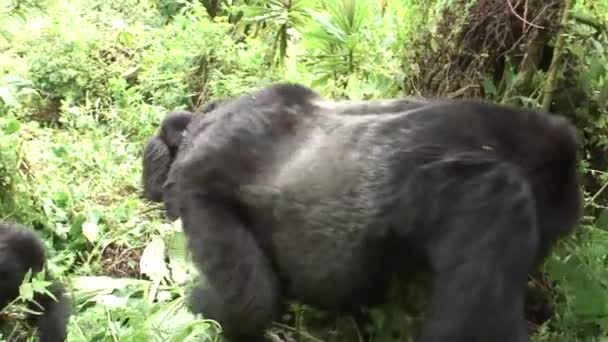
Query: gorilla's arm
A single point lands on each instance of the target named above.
(240, 277)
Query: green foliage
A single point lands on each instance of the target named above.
(15, 204)
(351, 51)
(170, 8)
(25, 304)
(278, 20)
(84, 83)
(580, 268)
(187, 55)
(63, 64)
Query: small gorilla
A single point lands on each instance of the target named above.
(284, 195)
(20, 251)
(160, 152)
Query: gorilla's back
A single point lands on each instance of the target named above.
(327, 191)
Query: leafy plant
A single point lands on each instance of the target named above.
(280, 20)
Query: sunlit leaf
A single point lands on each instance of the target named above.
(152, 262)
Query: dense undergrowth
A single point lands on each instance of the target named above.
(84, 83)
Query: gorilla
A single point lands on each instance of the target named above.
(160, 151)
(20, 251)
(285, 195)
(169, 190)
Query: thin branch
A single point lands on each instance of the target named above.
(595, 196)
(521, 18)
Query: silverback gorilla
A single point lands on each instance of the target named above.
(285, 195)
(20, 251)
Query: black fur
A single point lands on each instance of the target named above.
(156, 157)
(20, 251)
(281, 198)
(169, 190)
(160, 152)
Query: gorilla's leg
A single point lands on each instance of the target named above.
(244, 293)
(482, 250)
(156, 163)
